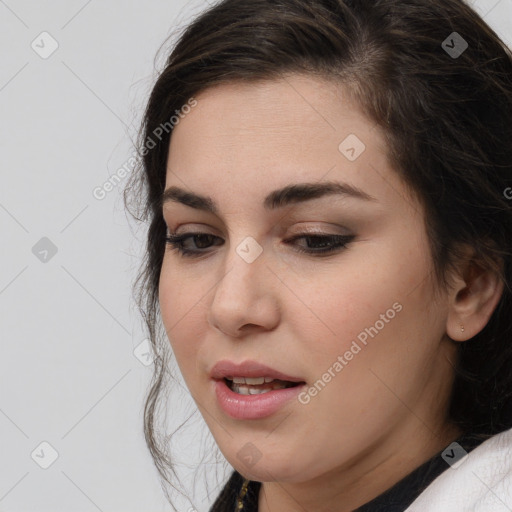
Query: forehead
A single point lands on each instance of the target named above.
(298, 108)
(244, 139)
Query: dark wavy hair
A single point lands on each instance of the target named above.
(447, 119)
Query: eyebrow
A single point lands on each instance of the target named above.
(295, 193)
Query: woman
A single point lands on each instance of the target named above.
(328, 189)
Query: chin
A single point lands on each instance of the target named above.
(279, 467)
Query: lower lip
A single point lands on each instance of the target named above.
(252, 407)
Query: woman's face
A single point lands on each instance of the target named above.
(358, 329)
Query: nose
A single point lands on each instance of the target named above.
(246, 297)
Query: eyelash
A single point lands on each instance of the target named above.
(340, 242)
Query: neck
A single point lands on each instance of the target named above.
(347, 488)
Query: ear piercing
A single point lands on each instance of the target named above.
(461, 328)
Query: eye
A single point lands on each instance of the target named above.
(322, 244)
(201, 241)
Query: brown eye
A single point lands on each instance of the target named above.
(321, 244)
(201, 241)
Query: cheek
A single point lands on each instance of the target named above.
(344, 300)
(380, 340)
(183, 315)
(370, 310)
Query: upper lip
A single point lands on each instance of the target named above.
(225, 368)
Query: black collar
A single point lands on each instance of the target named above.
(395, 499)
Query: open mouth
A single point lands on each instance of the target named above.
(257, 385)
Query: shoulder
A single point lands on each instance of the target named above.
(479, 481)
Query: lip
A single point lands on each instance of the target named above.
(226, 368)
(251, 407)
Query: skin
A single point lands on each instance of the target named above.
(385, 412)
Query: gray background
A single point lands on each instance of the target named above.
(73, 371)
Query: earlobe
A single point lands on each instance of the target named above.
(472, 302)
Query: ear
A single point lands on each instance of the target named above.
(472, 300)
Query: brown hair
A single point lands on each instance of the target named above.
(447, 119)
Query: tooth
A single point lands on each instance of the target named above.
(248, 390)
(269, 379)
(258, 391)
(254, 380)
